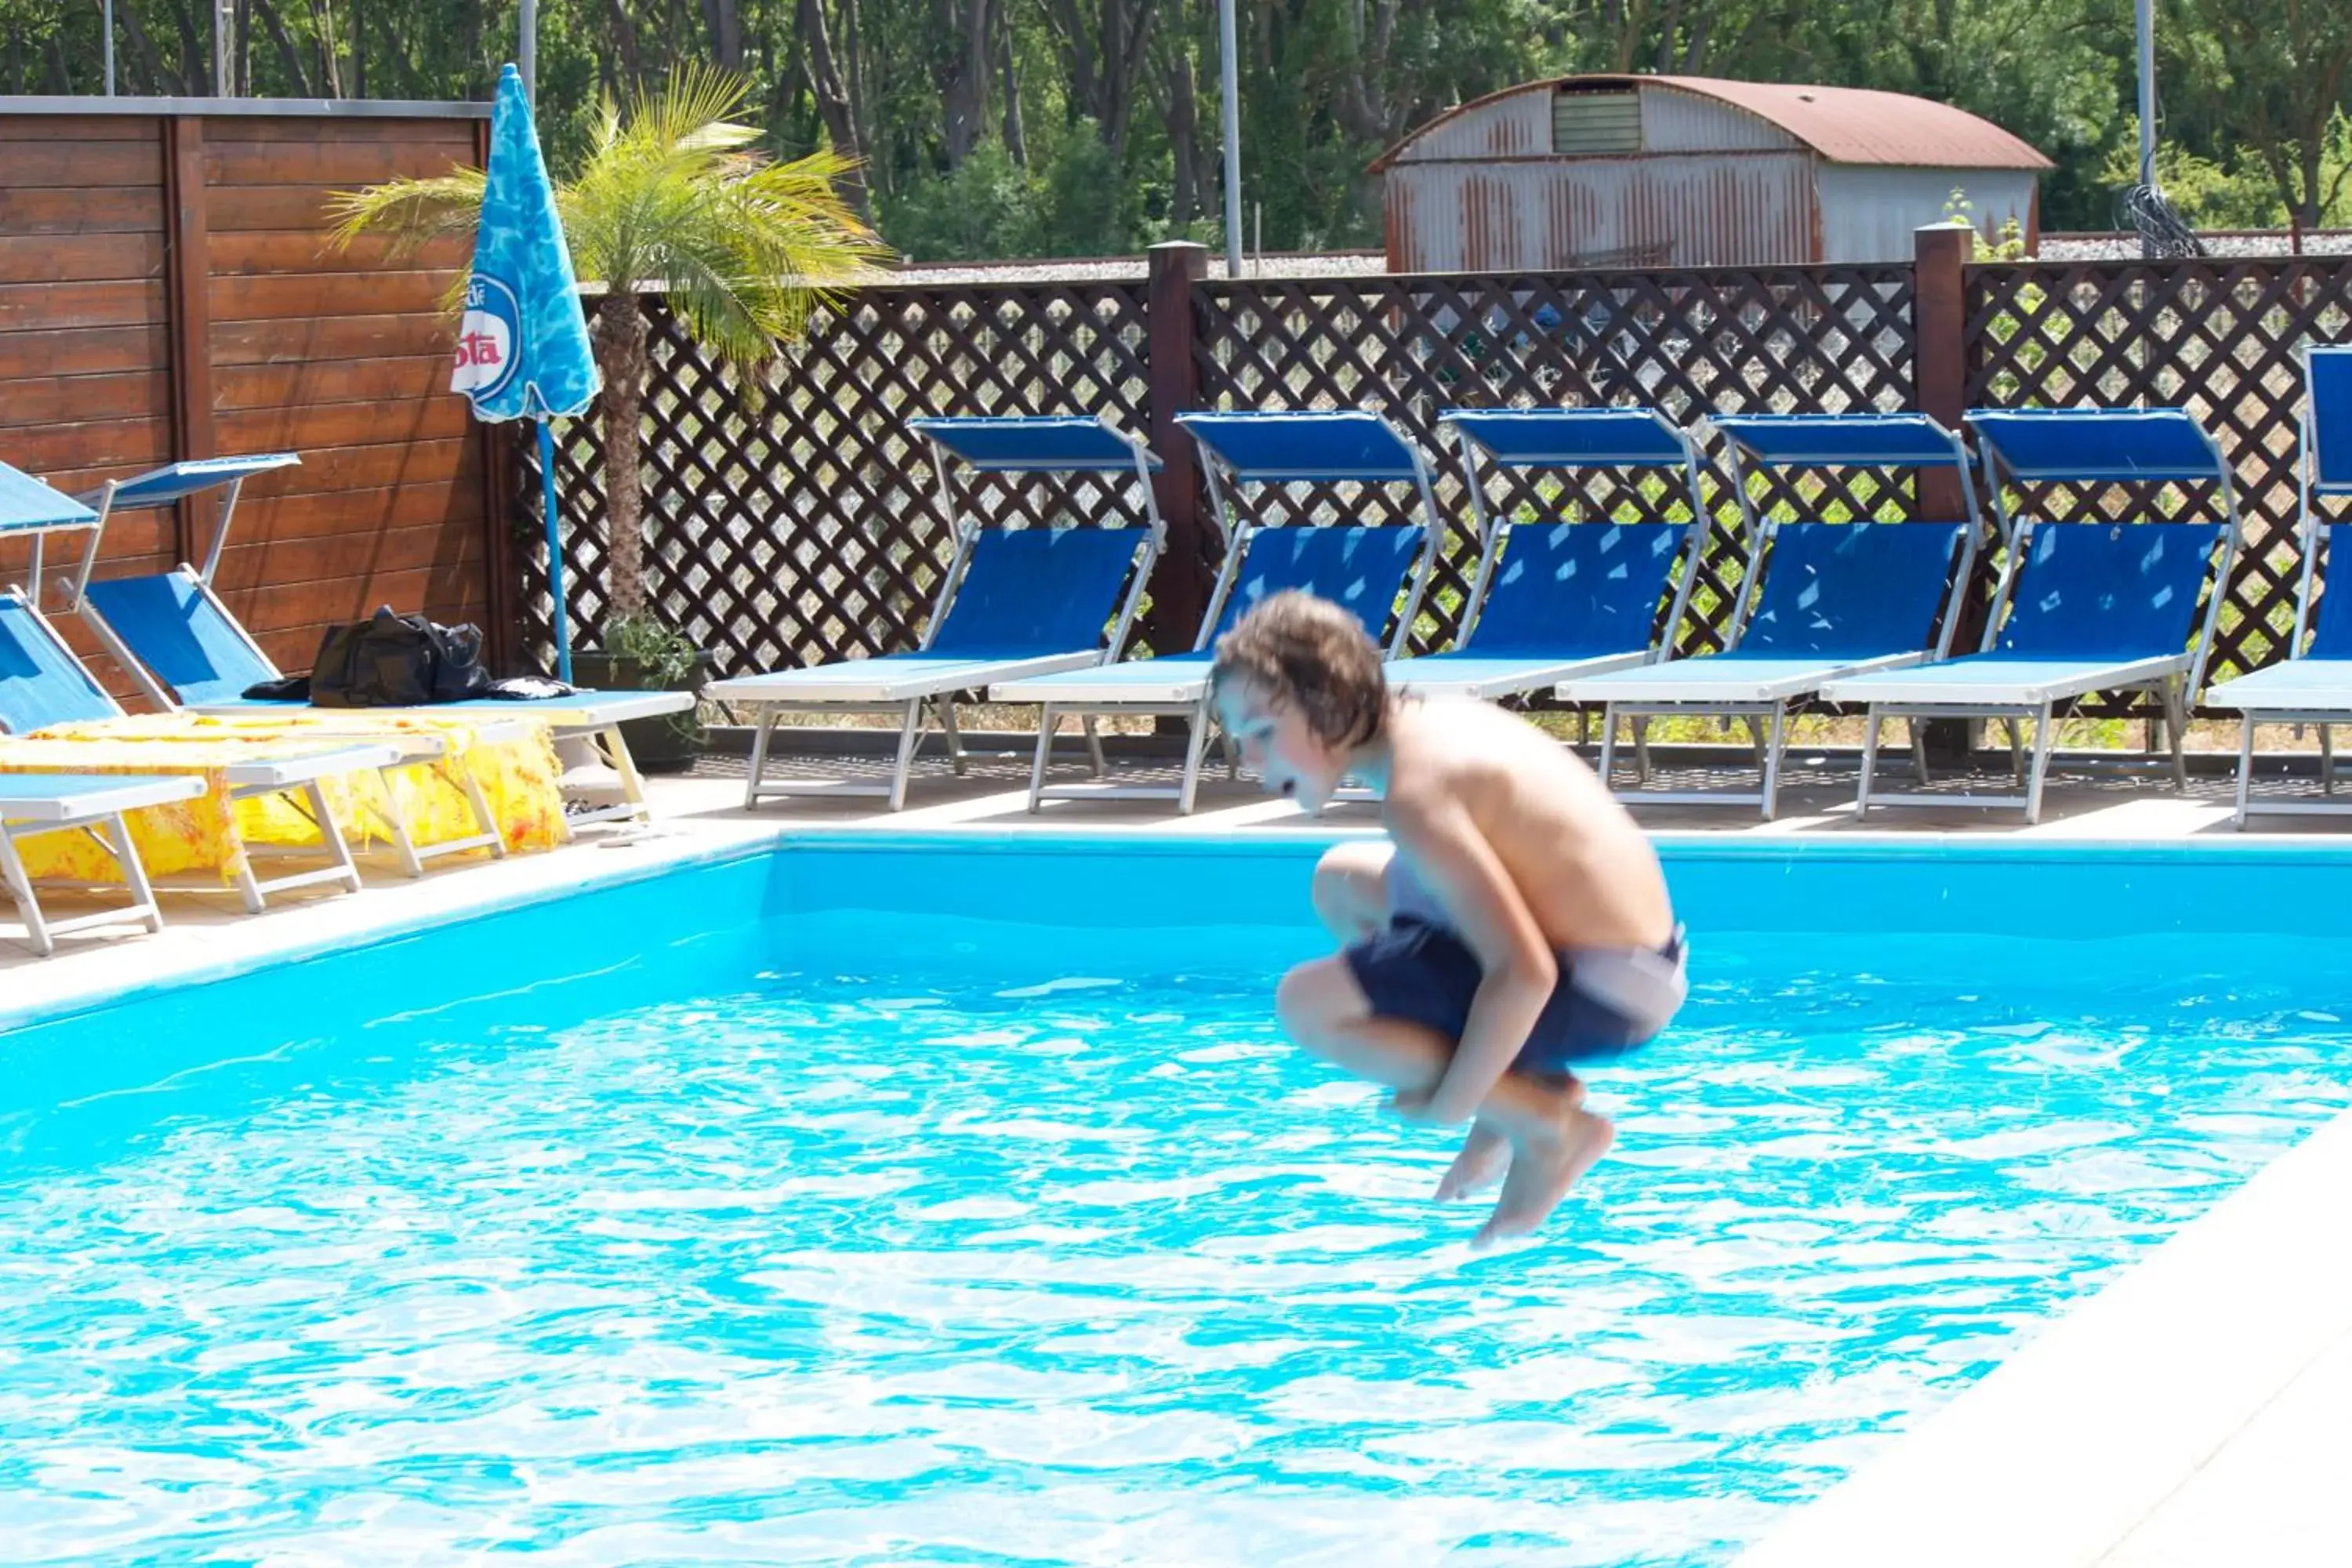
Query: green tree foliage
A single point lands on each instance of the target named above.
(1010, 127)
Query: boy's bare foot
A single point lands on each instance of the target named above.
(1542, 1171)
(1479, 1165)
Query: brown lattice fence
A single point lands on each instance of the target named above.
(803, 524)
(1798, 340)
(2221, 339)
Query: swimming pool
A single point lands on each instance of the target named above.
(953, 1201)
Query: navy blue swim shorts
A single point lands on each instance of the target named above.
(1426, 975)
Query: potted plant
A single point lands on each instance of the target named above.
(646, 653)
(672, 198)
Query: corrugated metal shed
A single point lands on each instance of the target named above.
(1690, 172)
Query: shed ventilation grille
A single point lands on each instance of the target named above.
(1590, 122)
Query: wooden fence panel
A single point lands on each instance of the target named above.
(320, 352)
(85, 328)
(166, 292)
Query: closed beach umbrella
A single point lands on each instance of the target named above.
(522, 349)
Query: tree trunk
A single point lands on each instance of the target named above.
(1016, 138)
(964, 77)
(240, 45)
(833, 102)
(288, 55)
(621, 355)
(624, 42)
(160, 77)
(192, 52)
(724, 18)
(330, 58)
(1183, 139)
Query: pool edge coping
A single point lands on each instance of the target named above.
(2081, 1435)
(448, 899)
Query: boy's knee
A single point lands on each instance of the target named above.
(1350, 889)
(1313, 997)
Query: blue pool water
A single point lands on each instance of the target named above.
(746, 1217)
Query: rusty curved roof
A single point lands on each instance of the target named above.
(1844, 125)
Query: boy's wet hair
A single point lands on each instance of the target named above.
(1307, 653)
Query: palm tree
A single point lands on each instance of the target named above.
(671, 199)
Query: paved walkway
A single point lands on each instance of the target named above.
(2191, 1413)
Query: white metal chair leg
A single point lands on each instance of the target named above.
(2175, 726)
(28, 899)
(485, 821)
(1046, 719)
(910, 730)
(2042, 737)
(331, 833)
(1869, 763)
(946, 707)
(1773, 750)
(1196, 744)
(632, 782)
(1094, 748)
(2246, 767)
(761, 736)
(116, 834)
(396, 827)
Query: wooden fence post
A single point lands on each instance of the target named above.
(187, 252)
(1939, 308)
(1939, 367)
(1179, 584)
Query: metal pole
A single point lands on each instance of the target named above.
(223, 77)
(1231, 52)
(559, 612)
(109, 10)
(2145, 17)
(527, 52)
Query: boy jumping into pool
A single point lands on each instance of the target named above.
(1516, 924)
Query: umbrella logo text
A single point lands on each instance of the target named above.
(487, 339)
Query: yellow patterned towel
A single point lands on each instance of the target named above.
(518, 779)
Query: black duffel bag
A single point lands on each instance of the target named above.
(397, 661)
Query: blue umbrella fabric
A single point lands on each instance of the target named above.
(522, 347)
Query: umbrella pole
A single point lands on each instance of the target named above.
(561, 615)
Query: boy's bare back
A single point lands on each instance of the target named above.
(1587, 874)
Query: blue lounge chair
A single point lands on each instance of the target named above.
(1366, 568)
(1012, 602)
(2314, 685)
(185, 649)
(2080, 607)
(41, 684)
(35, 803)
(1560, 601)
(1819, 601)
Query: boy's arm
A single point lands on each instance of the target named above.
(1462, 869)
